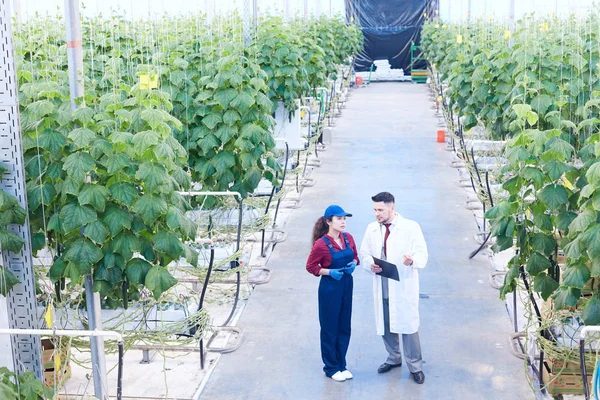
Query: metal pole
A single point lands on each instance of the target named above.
(75, 59)
(469, 10)
(511, 23)
(330, 9)
(20, 302)
(246, 22)
(18, 12)
(74, 52)
(305, 9)
(286, 10)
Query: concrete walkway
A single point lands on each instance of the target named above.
(385, 140)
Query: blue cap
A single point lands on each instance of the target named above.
(335, 211)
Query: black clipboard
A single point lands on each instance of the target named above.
(389, 270)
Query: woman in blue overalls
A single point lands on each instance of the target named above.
(333, 257)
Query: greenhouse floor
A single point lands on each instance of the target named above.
(385, 140)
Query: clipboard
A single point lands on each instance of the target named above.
(389, 270)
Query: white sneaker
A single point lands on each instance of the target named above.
(338, 376)
(347, 374)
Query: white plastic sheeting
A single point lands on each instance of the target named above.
(136, 9)
(457, 10)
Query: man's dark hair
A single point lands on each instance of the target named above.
(385, 197)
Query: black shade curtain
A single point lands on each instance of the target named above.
(389, 28)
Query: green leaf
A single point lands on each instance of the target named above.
(96, 231)
(243, 102)
(513, 185)
(543, 243)
(83, 254)
(159, 280)
(32, 388)
(153, 117)
(123, 192)
(38, 242)
(78, 165)
(573, 249)
(74, 216)
(593, 174)
(253, 177)
(40, 193)
(532, 118)
(544, 285)
(208, 142)
(231, 117)
(543, 221)
(150, 208)
(576, 275)
(137, 269)
(143, 141)
(223, 160)
(253, 132)
(39, 109)
(537, 263)
(564, 219)
(591, 239)
(57, 270)
(168, 243)
(566, 297)
(562, 147)
(555, 169)
(153, 175)
(591, 312)
(595, 267)
(82, 137)
(501, 209)
(94, 195)
(535, 175)
(225, 133)
(7, 281)
(582, 221)
(554, 196)
(212, 120)
(225, 96)
(503, 243)
(52, 141)
(125, 243)
(164, 152)
(116, 219)
(116, 163)
(541, 104)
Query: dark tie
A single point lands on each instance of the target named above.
(387, 233)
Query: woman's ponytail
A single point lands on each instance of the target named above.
(320, 229)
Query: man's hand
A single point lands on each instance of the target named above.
(408, 261)
(375, 268)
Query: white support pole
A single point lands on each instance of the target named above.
(20, 308)
(511, 23)
(286, 10)
(75, 59)
(254, 13)
(305, 9)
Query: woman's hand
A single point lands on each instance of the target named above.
(349, 268)
(336, 274)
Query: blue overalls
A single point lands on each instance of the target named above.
(335, 310)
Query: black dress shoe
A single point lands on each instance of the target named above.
(419, 377)
(385, 367)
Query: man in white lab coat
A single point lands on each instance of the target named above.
(399, 241)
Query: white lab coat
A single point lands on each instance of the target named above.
(407, 238)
